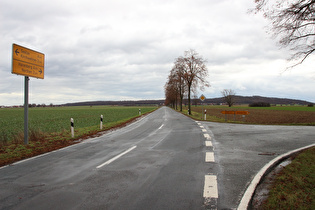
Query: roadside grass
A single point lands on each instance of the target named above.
(277, 115)
(50, 128)
(294, 185)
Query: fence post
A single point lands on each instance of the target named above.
(72, 127)
(101, 123)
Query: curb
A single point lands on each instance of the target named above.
(257, 179)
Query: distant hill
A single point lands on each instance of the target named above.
(118, 103)
(238, 99)
(253, 99)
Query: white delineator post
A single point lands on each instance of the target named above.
(205, 114)
(101, 123)
(139, 111)
(72, 127)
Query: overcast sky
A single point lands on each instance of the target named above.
(124, 50)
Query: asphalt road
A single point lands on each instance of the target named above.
(163, 161)
(242, 150)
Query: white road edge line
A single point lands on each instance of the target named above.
(204, 130)
(116, 157)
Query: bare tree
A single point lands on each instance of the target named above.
(171, 92)
(175, 87)
(293, 22)
(180, 82)
(195, 99)
(195, 72)
(229, 96)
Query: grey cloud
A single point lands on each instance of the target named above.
(114, 50)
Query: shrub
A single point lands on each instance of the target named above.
(310, 105)
(36, 135)
(259, 104)
(4, 139)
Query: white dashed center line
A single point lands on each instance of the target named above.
(208, 144)
(211, 187)
(116, 157)
(161, 127)
(207, 136)
(210, 191)
(209, 157)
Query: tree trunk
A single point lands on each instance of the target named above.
(189, 107)
(176, 103)
(181, 103)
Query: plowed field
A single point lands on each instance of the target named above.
(260, 116)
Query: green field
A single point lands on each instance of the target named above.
(57, 119)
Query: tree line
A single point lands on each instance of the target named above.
(188, 73)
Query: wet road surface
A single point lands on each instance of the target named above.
(163, 161)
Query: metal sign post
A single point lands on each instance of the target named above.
(26, 81)
(28, 63)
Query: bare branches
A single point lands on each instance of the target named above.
(229, 96)
(191, 72)
(293, 22)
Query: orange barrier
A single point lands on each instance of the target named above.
(236, 112)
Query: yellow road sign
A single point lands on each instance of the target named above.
(202, 97)
(27, 62)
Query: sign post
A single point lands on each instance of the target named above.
(28, 63)
(26, 81)
(203, 98)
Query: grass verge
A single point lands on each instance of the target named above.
(13, 149)
(294, 185)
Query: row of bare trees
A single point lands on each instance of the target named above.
(187, 75)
